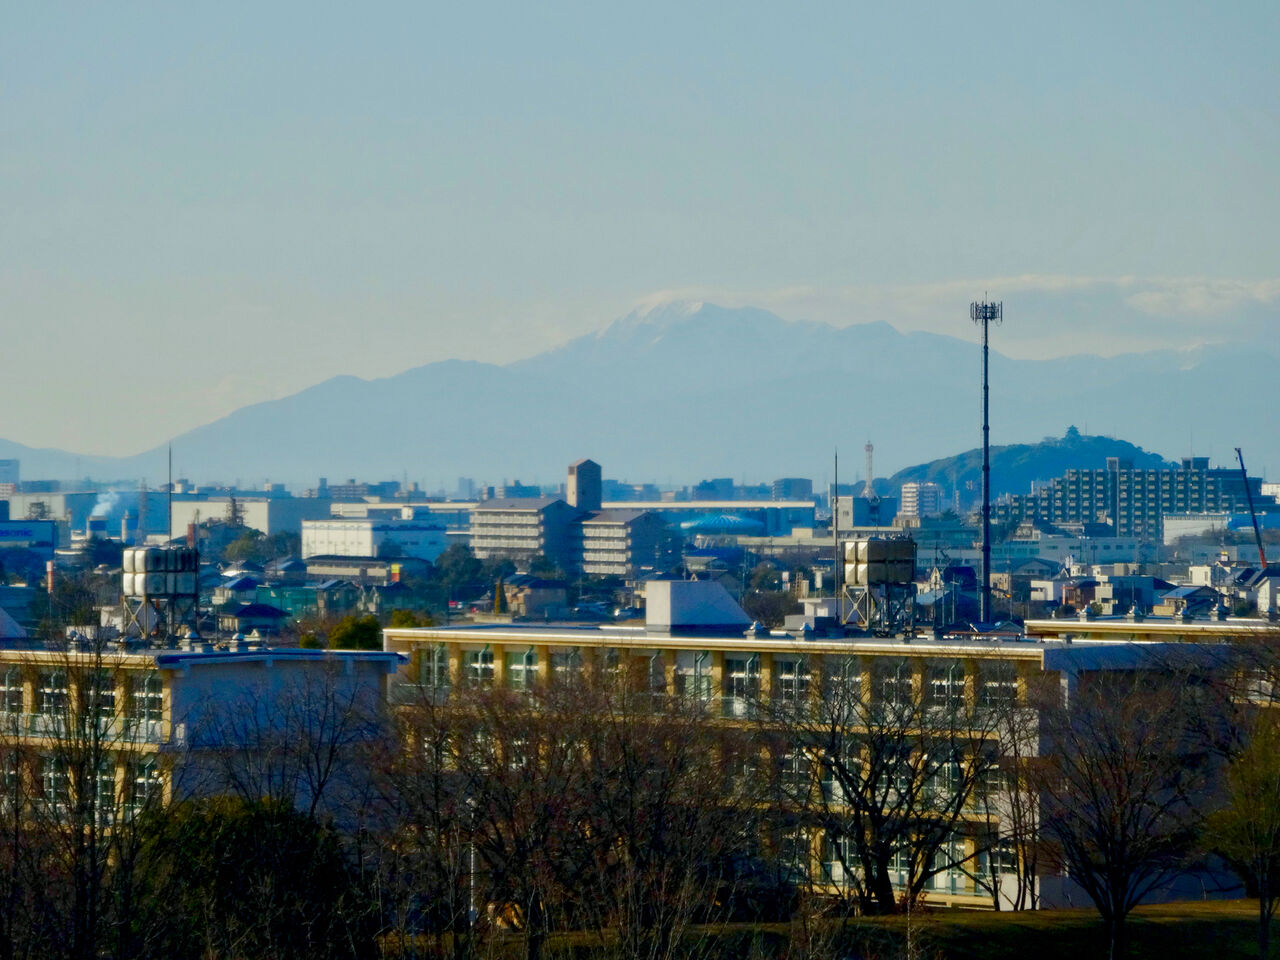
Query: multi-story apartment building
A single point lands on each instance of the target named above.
(1134, 501)
(623, 543)
(522, 529)
(923, 499)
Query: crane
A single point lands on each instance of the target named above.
(1257, 534)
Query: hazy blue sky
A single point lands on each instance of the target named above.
(249, 198)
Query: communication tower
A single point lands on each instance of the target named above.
(986, 313)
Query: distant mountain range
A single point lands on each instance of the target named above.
(687, 390)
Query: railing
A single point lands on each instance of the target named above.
(114, 729)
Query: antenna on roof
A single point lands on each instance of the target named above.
(168, 530)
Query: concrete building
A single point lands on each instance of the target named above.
(584, 489)
(623, 543)
(1134, 501)
(696, 644)
(921, 499)
(172, 723)
(792, 488)
(520, 530)
(270, 515)
(354, 537)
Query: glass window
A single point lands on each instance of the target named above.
(521, 671)
(895, 680)
(566, 666)
(145, 785)
(793, 851)
(693, 676)
(791, 683)
(51, 693)
(147, 699)
(478, 666)
(55, 783)
(837, 852)
(741, 685)
(100, 694)
(105, 789)
(945, 684)
(999, 685)
(433, 666)
(11, 691)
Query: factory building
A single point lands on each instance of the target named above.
(373, 537)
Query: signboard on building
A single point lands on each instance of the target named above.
(38, 535)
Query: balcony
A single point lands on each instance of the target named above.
(109, 729)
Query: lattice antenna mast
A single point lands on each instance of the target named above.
(986, 313)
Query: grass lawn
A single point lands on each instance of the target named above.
(1217, 929)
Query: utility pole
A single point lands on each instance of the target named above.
(985, 313)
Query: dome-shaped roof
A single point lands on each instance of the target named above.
(723, 524)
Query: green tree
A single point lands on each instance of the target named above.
(1246, 830)
(230, 878)
(410, 618)
(356, 633)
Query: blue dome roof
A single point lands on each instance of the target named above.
(723, 523)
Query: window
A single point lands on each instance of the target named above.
(146, 702)
(11, 691)
(100, 695)
(144, 785)
(51, 693)
(795, 772)
(693, 676)
(55, 783)
(791, 684)
(433, 667)
(945, 685)
(521, 670)
(566, 666)
(741, 685)
(478, 667)
(837, 852)
(999, 684)
(894, 680)
(842, 771)
(949, 863)
(842, 686)
(793, 851)
(105, 791)
(945, 772)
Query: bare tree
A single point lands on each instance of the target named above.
(1120, 784)
(670, 839)
(900, 752)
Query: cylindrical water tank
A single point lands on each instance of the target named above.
(126, 560)
(154, 584)
(186, 585)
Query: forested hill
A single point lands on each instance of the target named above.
(1014, 467)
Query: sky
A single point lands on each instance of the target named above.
(207, 205)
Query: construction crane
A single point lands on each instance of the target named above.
(1253, 515)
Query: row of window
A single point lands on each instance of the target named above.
(144, 694)
(142, 784)
(893, 679)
